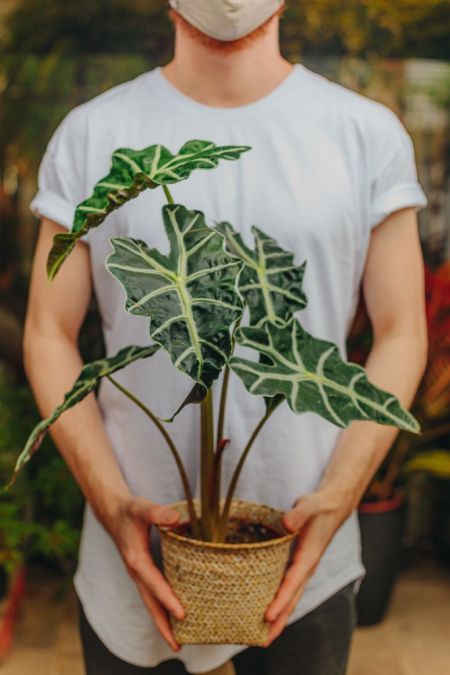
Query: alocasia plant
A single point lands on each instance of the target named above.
(189, 294)
(194, 297)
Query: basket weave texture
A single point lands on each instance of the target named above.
(225, 588)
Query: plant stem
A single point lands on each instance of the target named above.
(220, 425)
(224, 392)
(168, 194)
(237, 472)
(173, 449)
(206, 464)
(223, 404)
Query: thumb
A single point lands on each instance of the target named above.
(157, 514)
(163, 515)
(305, 508)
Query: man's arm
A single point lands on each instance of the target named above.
(393, 287)
(52, 362)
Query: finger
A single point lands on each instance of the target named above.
(156, 584)
(147, 574)
(277, 627)
(305, 560)
(296, 575)
(294, 601)
(149, 512)
(306, 507)
(160, 617)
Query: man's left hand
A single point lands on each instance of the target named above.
(316, 517)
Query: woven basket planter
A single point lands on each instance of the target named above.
(225, 589)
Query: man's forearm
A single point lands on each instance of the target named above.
(52, 364)
(396, 363)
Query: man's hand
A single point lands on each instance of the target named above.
(53, 362)
(395, 302)
(130, 531)
(316, 517)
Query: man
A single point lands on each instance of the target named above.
(331, 176)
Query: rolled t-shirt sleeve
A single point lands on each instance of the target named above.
(61, 173)
(394, 178)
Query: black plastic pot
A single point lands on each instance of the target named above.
(381, 525)
(441, 538)
(3, 582)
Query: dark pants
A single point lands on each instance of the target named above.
(316, 644)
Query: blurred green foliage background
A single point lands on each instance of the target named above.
(55, 55)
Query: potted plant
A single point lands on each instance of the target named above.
(381, 512)
(427, 464)
(195, 297)
(27, 527)
(386, 511)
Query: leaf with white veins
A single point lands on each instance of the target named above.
(312, 376)
(269, 282)
(87, 380)
(133, 171)
(190, 294)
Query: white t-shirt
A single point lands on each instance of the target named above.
(326, 166)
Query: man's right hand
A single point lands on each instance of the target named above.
(53, 362)
(131, 533)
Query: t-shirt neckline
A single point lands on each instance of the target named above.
(163, 87)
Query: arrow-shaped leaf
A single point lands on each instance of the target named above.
(270, 282)
(190, 294)
(311, 375)
(90, 374)
(133, 171)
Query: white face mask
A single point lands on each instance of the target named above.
(226, 19)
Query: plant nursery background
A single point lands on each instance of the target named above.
(55, 55)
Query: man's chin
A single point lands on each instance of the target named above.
(221, 46)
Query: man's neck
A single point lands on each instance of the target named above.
(229, 79)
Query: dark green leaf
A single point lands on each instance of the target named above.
(90, 374)
(133, 171)
(270, 282)
(190, 294)
(311, 375)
